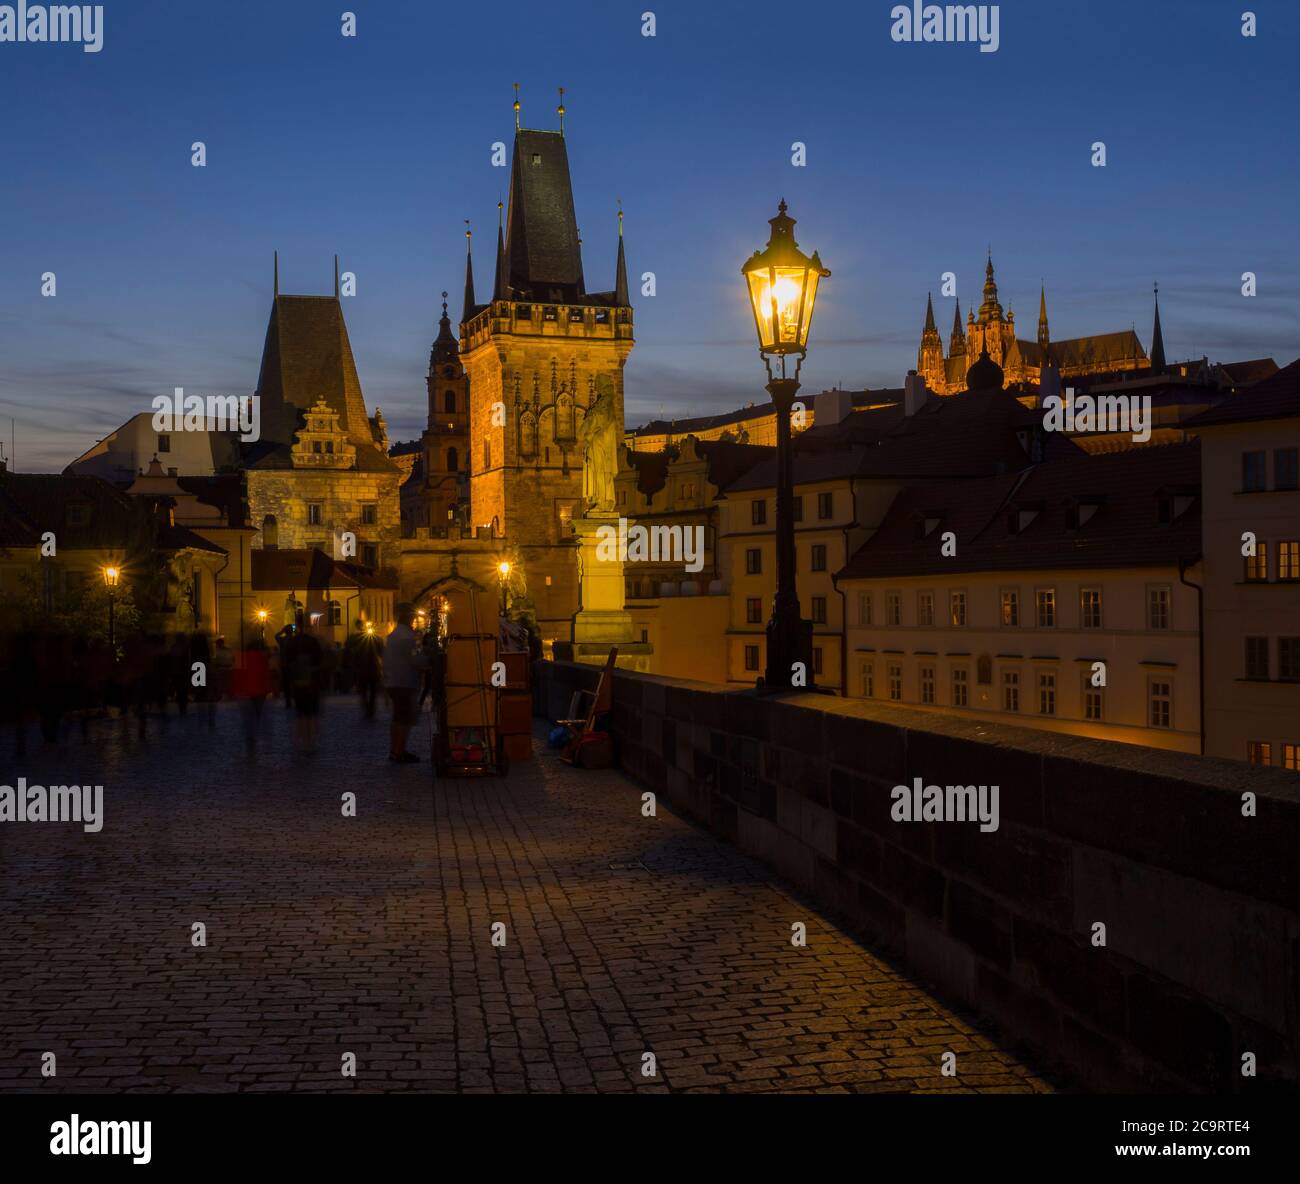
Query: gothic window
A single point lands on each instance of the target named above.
(528, 434)
(449, 402)
(270, 533)
(564, 417)
(451, 460)
(487, 455)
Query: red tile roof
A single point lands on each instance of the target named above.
(1275, 397)
(1124, 530)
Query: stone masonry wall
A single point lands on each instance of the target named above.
(1201, 904)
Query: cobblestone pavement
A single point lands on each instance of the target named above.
(373, 935)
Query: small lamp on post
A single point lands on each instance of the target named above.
(503, 571)
(111, 576)
(262, 614)
(782, 283)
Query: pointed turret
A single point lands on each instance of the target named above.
(445, 346)
(621, 297)
(499, 283)
(1044, 338)
(930, 326)
(957, 342)
(470, 302)
(929, 358)
(990, 310)
(1157, 341)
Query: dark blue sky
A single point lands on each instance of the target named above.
(919, 156)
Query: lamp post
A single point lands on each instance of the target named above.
(111, 576)
(503, 570)
(262, 614)
(782, 283)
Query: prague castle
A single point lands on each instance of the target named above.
(1021, 361)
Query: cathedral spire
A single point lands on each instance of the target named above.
(957, 342)
(277, 273)
(620, 277)
(1044, 338)
(990, 310)
(1157, 340)
(469, 273)
(499, 284)
(930, 326)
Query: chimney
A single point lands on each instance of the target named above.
(915, 396)
(832, 407)
(1049, 384)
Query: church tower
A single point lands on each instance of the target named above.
(443, 445)
(957, 342)
(535, 355)
(929, 361)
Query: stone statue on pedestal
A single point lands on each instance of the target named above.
(599, 435)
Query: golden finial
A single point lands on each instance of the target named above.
(620, 217)
(469, 233)
(500, 215)
(561, 110)
(516, 106)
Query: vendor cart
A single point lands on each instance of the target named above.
(467, 739)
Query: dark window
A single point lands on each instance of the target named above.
(1286, 468)
(819, 557)
(1288, 659)
(825, 505)
(370, 554)
(452, 458)
(1257, 657)
(1253, 471)
(753, 610)
(315, 513)
(164, 443)
(817, 659)
(819, 610)
(449, 402)
(751, 657)
(798, 508)
(369, 514)
(753, 561)
(758, 512)
(525, 312)
(1259, 752)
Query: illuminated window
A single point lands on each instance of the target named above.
(1288, 560)
(1045, 601)
(1257, 564)
(957, 608)
(1010, 606)
(1259, 752)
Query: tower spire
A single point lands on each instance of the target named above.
(620, 276)
(469, 273)
(990, 310)
(1157, 340)
(516, 106)
(336, 277)
(930, 326)
(277, 273)
(1044, 337)
(957, 342)
(499, 284)
(561, 110)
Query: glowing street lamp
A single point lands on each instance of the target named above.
(111, 576)
(503, 570)
(262, 615)
(782, 284)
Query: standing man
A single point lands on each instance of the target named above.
(403, 667)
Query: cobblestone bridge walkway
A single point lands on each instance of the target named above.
(373, 935)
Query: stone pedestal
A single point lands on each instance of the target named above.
(603, 621)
